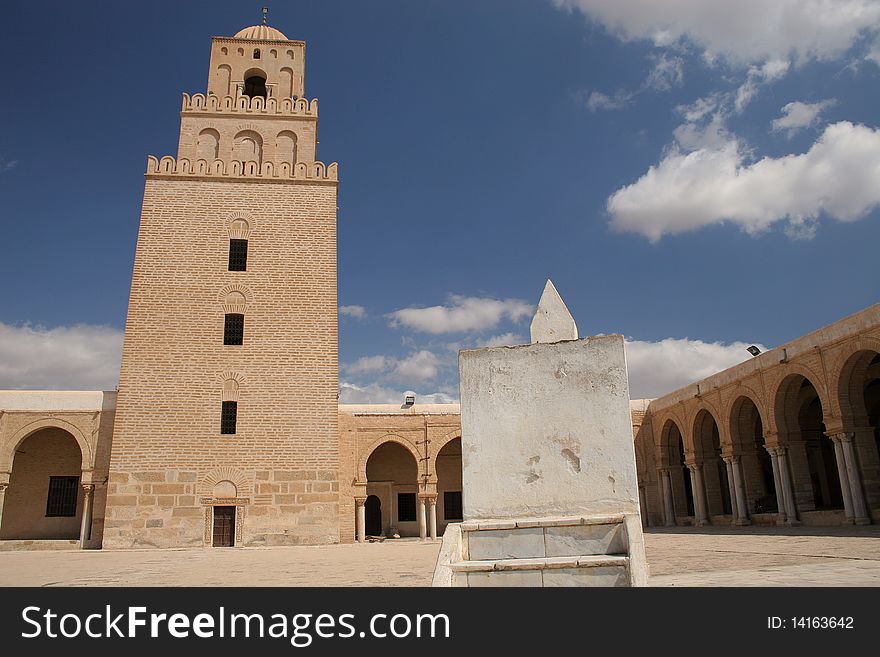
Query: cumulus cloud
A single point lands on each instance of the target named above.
(79, 357)
(419, 366)
(375, 393)
(462, 314)
(367, 364)
(837, 177)
(358, 312)
(797, 116)
(742, 32)
(757, 77)
(657, 368)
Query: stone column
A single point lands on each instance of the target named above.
(361, 519)
(785, 481)
(742, 505)
(850, 478)
(731, 487)
(85, 529)
(432, 517)
(845, 490)
(777, 483)
(3, 487)
(699, 494)
(668, 506)
(423, 525)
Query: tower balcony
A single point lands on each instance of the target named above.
(245, 105)
(312, 172)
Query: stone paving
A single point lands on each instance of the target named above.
(838, 556)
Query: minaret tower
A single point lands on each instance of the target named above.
(226, 426)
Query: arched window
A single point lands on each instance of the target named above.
(255, 85)
(248, 147)
(229, 407)
(256, 53)
(285, 147)
(209, 145)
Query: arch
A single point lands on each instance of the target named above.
(240, 224)
(285, 147)
(224, 79)
(748, 442)
(850, 380)
(446, 439)
(672, 458)
(707, 450)
(9, 449)
(44, 497)
(362, 464)
(800, 411)
(208, 146)
(231, 474)
(392, 474)
(247, 146)
(287, 82)
(857, 384)
(449, 483)
(792, 370)
(255, 83)
(373, 516)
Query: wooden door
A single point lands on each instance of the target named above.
(224, 526)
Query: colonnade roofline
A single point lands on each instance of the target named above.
(848, 327)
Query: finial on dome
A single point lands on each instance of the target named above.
(265, 11)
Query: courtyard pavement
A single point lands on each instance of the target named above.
(838, 556)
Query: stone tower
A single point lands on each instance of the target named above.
(226, 428)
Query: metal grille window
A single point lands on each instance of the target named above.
(228, 417)
(406, 507)
(233, 329)
(61, 501)
(452, 505)
(238, 255)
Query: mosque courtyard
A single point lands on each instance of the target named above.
(708, 556)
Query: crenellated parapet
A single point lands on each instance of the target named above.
(201, 103)
(236, 169)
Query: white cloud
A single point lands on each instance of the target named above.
(419, 366)
(742, 32)
(657, 368)
(757, 76)
(695, 135)
(79, 357)
(667, 72)
(797, 116)
(463, 314)
(375, 393)
(358, 312)
(837, 178)
(368, 364)
(6, 165)
(599, 101)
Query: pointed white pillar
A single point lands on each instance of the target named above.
(552, 321)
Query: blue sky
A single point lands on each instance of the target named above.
(695, 175)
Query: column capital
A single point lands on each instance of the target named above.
(3, 486)
(776, 450)
(840, 436)
(360, 500)
(88, 487)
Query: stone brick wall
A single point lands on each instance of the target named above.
(168, 453)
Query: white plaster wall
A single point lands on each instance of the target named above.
(547, 430)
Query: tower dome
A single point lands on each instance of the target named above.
(261, 33)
